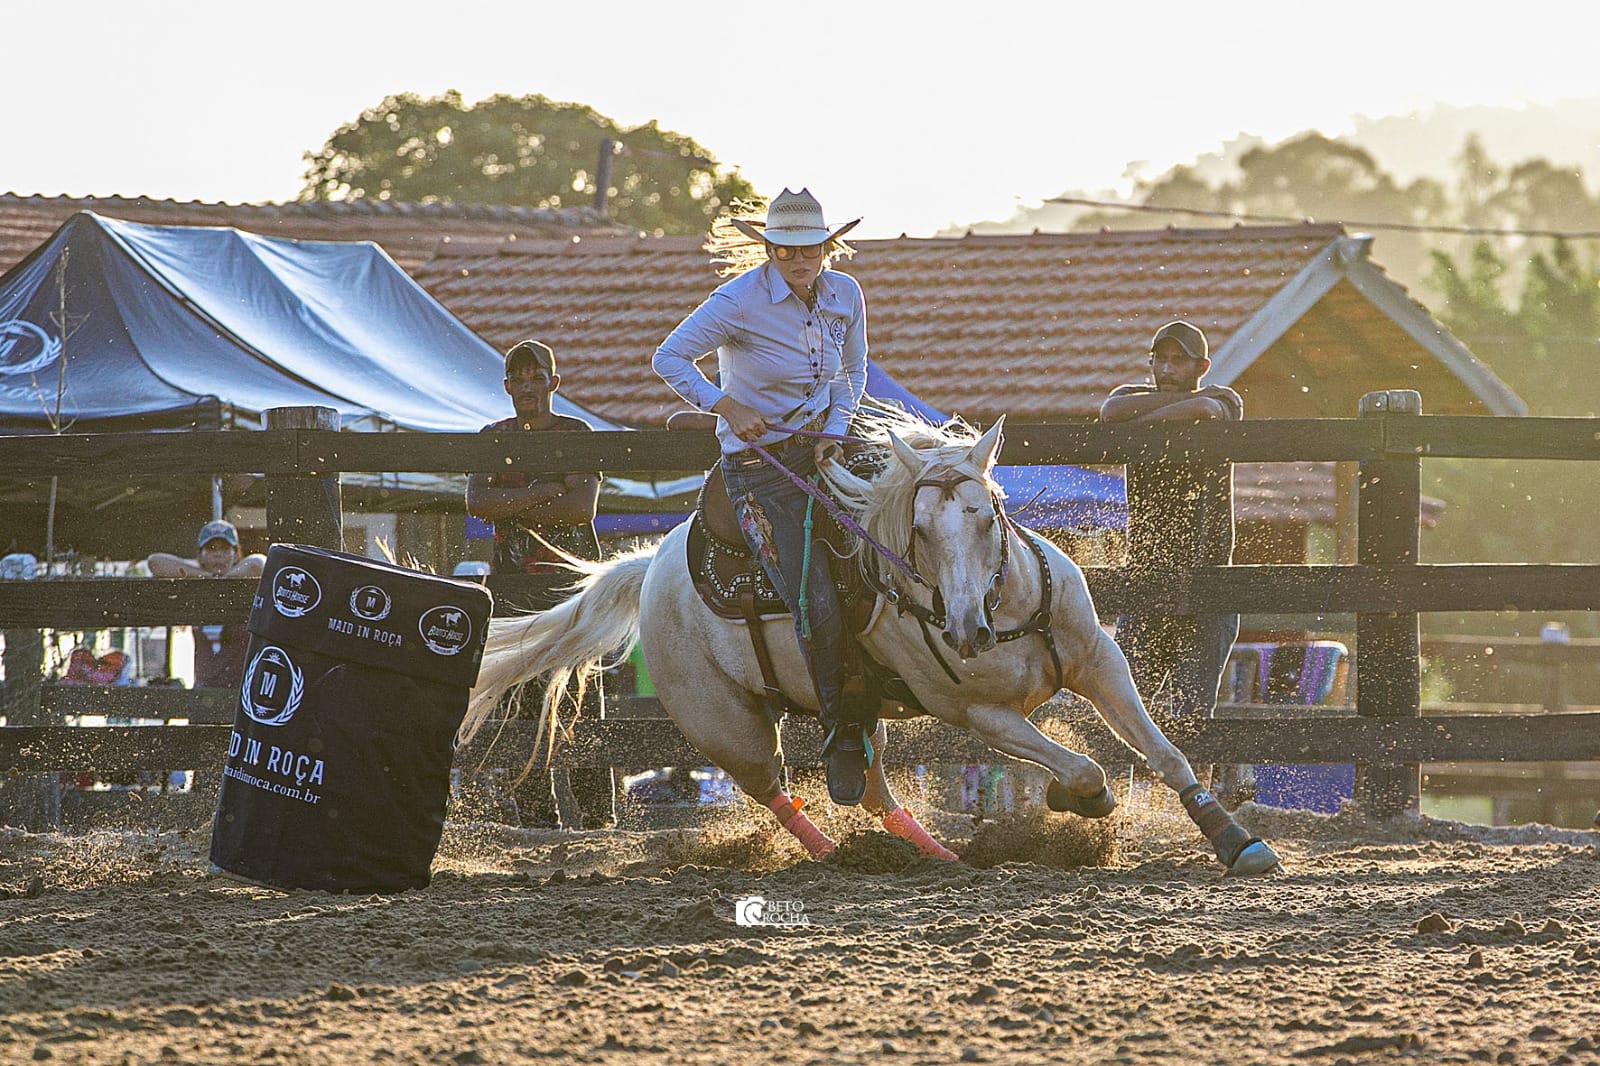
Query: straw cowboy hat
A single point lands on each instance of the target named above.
(795, 219)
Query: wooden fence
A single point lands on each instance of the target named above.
(1388, 736)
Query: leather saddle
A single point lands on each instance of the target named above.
(728, 578)
(734, 586)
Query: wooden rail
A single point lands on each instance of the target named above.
(1389, 738)
(157, 456)
(100, 603)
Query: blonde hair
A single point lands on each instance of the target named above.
(734, 252)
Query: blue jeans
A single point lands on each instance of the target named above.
(1180, 656)
(772, 515)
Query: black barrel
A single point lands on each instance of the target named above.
(356, 678)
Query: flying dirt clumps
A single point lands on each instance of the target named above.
(729, 844)
(1060, 841)
(869, 851)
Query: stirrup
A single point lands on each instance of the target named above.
(847, 765)
(831, 738)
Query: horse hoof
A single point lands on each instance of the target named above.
(1057, 798)
(1255, 860)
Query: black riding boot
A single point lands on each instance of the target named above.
(847, 746)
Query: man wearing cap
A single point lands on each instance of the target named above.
(791, 341)
(1180, 516)
(532, 514)
(536, 518)
(219, 650)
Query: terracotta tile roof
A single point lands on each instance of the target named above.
(1038, 327)
(410, 233)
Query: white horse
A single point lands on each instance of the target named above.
(1012, 610)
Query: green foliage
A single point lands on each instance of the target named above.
(1472, 296)
(521, 150)
(1544, 348)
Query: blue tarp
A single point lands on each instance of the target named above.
(179, 327)
(1064, 497)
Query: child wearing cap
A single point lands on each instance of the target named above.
(218, 556)
(219, 650)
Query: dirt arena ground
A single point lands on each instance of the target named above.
(1417, 941)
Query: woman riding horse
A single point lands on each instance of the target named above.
(983, 619)
(1012, 612)
(791, 341)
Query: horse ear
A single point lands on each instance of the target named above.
(984, 453)
(906, 454)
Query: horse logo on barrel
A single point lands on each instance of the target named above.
(445, 629)
(295, 592)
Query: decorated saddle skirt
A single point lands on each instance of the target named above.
(724, 572)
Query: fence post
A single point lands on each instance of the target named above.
(1388, 645)
(27, 801)
(305, 508)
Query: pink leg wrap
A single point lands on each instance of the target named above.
(902, 823)
(816, 842)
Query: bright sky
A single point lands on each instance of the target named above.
(914, 115)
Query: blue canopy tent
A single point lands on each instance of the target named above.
(200, 327)
(118, 326)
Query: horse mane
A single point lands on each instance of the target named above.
(878, 489)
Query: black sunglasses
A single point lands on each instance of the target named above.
(785, 252)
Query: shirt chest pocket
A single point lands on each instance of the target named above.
(828, 341)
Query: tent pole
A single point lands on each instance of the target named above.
(50, 527)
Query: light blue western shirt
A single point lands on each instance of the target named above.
(787, 361)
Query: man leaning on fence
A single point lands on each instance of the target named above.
(1180, 516)
(533, 514)
(537, 518)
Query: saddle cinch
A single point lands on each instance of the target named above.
(734, 586)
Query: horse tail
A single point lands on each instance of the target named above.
(574, 639)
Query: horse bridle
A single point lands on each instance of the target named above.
(947, 486)
(1038, 622)
(934, 614)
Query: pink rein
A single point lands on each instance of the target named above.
(834, 510)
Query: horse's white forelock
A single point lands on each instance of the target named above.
(881, 500)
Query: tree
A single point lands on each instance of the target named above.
(1540, 195)
(1512, 510)
(1560, 313)
(1308, 176)
(521, 150)
(1545, 347)
(1472, 304)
